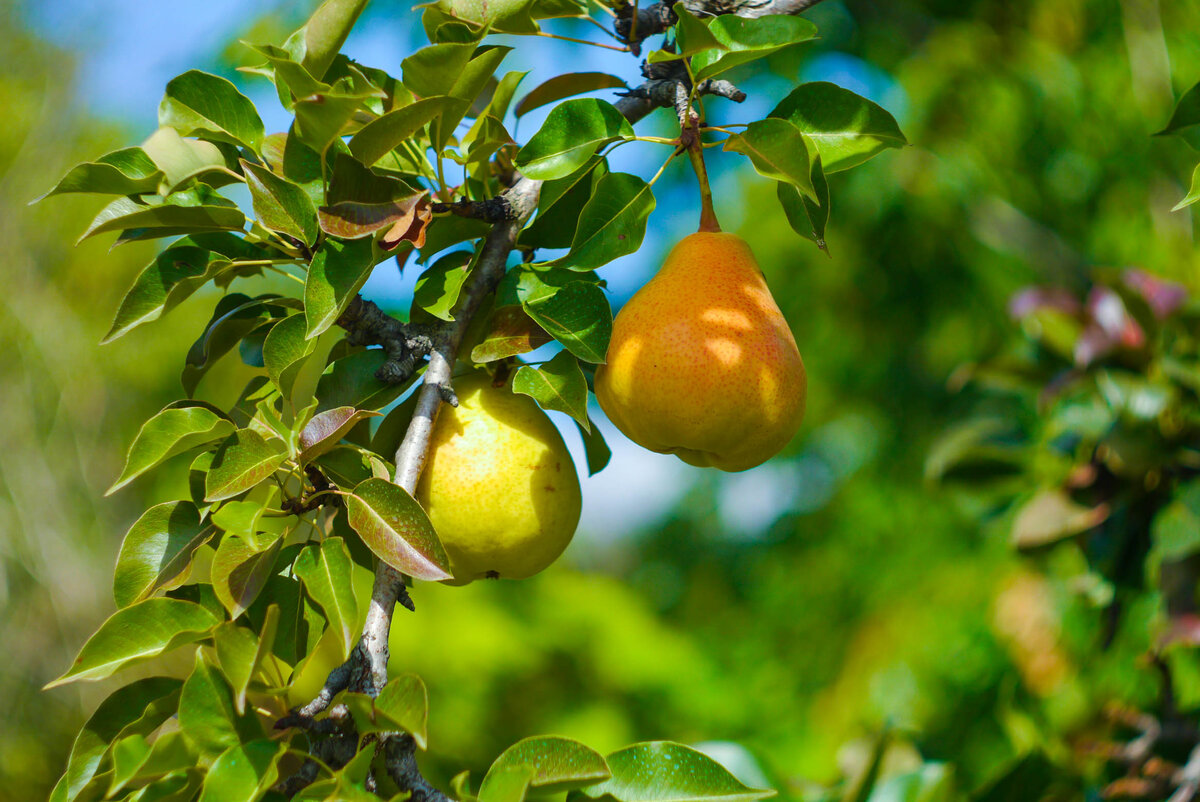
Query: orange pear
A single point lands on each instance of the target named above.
(701, 363)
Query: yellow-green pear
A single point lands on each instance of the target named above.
(701, 363)
(499, 485)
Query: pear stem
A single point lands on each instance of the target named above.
(689, 138)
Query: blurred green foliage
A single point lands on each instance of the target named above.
(875, 600)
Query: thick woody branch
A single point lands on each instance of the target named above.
(405, 344)
(401, 758)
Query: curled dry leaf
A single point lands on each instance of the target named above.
(411, 226)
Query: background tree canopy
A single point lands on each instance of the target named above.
(864, 581)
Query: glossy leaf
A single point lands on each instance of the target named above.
(351, 382)
(776, 149)
(558, 764)
(578, 316)
(382, 134)
(242, 461)
(206, 712)
(281, 205)
(659, 771)
(402, 706)
(182, 160)
(846, 129)
(243, 773)
(241, 651)
(198, 103)
(166, 282)
(186, 211)
(807, 218)
(1193, 193)
(572, 132)
(692, 34)
(744, 39)
(322, 118)
(439, 286)
(157, 550)
(564, 86)
(1185, 119)
(511, 331)
(337, 273)
(560, 205)
(120, 712)
(327, 428)
(240, 570)
(325, 568)
(595, 449)
(172, 431)
(285, 350)
(361, 203)
(397, 530)
(138, 633)
(507, 784)
(325, 32)
(612, 224)
(559, 385)
(433, 70)
(128, 171)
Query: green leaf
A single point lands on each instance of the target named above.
(744, 39)
(595, 449)
(444, 232)
(507, 784)
(525, 283)
(289, 76)
(807, 218)
(467, 88)
(1176, 527)
(567, 85)
(845, 128)
(434, 70)
(158, 550)
(242, 461)
(397, 530)
(662, 771)
(120, 712)
(402, 706)
(136, 634)
(558, 765)
(206, 713)
(200, 104)
(1193, 194)
(776, 149)
(352, 382)
(439, 286)
(612, 224)
(692, 34)
(578, 316)
(184, 159)
(240, 652)
(325, 33)
(327, 429)
(1185, 120)
(338, 271)
(128, 171)
(243, 772)
(321, 118)
(325, 568)
(511, 331)
(166, 282)
(378, 137)
(560, 205)
(235, 316)
(281, 205)
(285, 351)
(197, 209)
(240, 570)
(573, 131)
(172, 431)
(169, 753)
(361, 202)
(559, 384)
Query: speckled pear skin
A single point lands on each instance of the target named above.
(499, 485)
(702, 363)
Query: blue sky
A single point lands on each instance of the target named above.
(127, 50)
